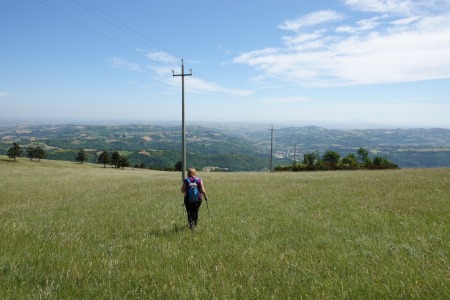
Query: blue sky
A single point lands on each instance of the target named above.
(357, 63)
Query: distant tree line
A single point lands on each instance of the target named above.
(115, 159)
(331, 160)
(32, 152)
(105, 158)
(36, 152)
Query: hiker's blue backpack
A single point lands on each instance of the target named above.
(192, 193)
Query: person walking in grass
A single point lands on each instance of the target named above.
(194, 190)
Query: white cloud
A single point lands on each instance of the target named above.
(122, 63)
(286, 100)
(399, 7)
(369, 24)
(361, 25)
(166, 63)
(3, 94)
(380, 49)
(303, 38)
(312, 19)
(400, 57)
(346, 29)
(405, 21)
(198, 85)
(384, 6)
(162, 57)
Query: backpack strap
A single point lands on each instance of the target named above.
(188, 182)
(193, 183)
(199, 184)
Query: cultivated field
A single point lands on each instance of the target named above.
(83, 231)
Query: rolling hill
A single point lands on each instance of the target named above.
(232, 147)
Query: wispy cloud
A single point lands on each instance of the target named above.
(403, 7)
(399, 7)
(287, 100)
(312, 19)
(162, 57)
(402, 41)
(3, 94)
(198, 85)
(122, 63)
(162, 63)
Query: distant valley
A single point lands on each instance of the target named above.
(229, 147)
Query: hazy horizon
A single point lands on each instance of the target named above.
(276, 124)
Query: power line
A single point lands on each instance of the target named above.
(235, 107)
(143, 38)
(85, 25)
(106, 20)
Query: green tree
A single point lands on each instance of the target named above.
(310, 159)
(104, 159)
(39, 153)
(331, 157)
(30, 152)
(123, 162)
(115, 158)
(378, 160)
(363, 155)
(350, 159)
(14, 151)
(383, 163)
(81, 156)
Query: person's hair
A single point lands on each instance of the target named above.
(192, 172)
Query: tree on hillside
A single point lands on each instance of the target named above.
(30, 152)
(310, 159)
(14, 151)
(350, 160)
(123, 162)
(104, 159)
(363, 155)
(39, 153)
(383, 163)
(81, 156)
(115, 158)
(331, 158)
(140, 165)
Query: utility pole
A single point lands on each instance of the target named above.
(183, 131)
(271, 147)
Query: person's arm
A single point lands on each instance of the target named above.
(203, 191)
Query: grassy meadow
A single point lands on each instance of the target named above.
(71, 231)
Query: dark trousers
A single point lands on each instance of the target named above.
(192, 212)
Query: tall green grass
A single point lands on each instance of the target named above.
(83, 231)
